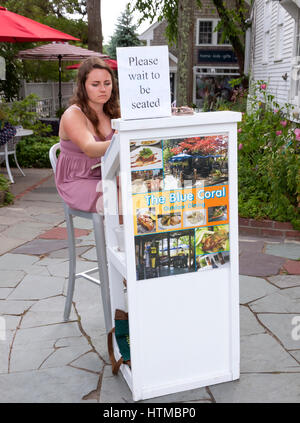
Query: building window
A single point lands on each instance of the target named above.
(279, 32)
(267, 28)
(206, 34)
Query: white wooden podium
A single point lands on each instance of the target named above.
(183, 315)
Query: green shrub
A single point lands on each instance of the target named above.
(34, 151)
(21, 113)
(268, 161)
(4, 187)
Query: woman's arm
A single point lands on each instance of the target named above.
(73, 125)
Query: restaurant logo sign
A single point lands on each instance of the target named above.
(216, 56)
(180, 203)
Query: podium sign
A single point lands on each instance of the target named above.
(144, 82)
(178, 179)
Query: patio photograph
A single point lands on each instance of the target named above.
(195, 162)
(165, 254)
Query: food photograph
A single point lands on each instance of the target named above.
(135, 144)
(149, 142)
(212, 239)
(146, 156)
(146, 221)
(169, 221)
(194, 218)
(217, 213)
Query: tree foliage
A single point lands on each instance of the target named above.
(40, 9)
(232, 24)
(125, 33)
(160, 10)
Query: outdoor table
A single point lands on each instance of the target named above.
(183, 317)
(10, 148)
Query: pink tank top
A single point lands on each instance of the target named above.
(76, 182)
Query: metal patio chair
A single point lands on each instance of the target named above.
(100, 249)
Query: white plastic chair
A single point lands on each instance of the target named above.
(100, 249)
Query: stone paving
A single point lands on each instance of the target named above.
(46, 360)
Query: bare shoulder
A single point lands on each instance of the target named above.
(73, 115)
(73, 123)
(73, 112)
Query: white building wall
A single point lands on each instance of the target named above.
(277, 73)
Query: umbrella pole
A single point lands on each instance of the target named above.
(59, 80)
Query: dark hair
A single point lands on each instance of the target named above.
(80, 97)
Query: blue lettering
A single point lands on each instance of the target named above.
(178, 196)
(202, 194)
(152, 200)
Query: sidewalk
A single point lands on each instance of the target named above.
(47, 360)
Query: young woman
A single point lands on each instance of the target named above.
(85, 133)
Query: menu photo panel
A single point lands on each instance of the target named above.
(180, 200)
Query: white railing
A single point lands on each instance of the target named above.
(47, 92)
(47, 107)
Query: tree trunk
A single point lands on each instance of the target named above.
(236, 42)
(94, 25)
(185, 52)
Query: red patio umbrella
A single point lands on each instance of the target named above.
(111, 62)
(18, 28)
(58, 51)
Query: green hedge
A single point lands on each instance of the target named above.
(4, 187)
(34, 151)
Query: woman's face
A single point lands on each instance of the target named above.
(98, 86)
